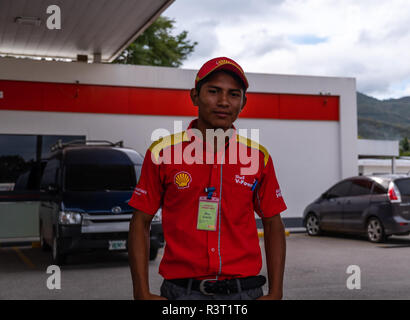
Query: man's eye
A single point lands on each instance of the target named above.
(212, 90)
(235, 94)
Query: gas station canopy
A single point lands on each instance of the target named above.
(97, 28)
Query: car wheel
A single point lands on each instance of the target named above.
(312, 225)
(43, 244)
(375, 230)
(58, 257)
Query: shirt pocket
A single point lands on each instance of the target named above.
(238, 198)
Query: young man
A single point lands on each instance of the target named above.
(212, 246)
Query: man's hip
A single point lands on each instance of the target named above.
(249, 288)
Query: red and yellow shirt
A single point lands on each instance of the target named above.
(232, 250)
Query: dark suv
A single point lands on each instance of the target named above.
(377, 206)
(88, 186)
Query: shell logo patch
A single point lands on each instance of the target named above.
(182, 179)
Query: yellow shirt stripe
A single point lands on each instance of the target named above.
(167, 141)
(252, 144)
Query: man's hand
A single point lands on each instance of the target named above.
(275, 249)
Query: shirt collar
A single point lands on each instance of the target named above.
(194, 124)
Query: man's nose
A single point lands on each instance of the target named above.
(223, 99)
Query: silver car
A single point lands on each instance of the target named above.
(375, 206)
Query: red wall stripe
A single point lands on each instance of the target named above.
(62, 97)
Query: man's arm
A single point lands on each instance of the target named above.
(138, 254)
(275, 248)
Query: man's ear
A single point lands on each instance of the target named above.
(194, 96)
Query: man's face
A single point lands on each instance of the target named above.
(219, 101)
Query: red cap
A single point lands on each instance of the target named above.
(221, 63)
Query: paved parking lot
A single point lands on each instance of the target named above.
(316, 268)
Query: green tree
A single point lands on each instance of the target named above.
(404, 147)
(156, 46)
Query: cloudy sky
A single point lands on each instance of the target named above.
(365, 39)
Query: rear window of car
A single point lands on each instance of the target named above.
(384, 183)
(379, 189)
(404, 186)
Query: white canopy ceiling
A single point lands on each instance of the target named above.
(88, 27)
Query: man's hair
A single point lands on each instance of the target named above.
(232, 74)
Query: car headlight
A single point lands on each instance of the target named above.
(68, 217)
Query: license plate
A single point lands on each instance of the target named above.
(117, 244)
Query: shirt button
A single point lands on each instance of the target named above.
(212, 249)
(215, 166)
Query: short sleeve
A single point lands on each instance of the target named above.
(268, 200)
(148, 192)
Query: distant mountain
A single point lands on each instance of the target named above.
(383, 119)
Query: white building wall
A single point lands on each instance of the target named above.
(309, 156)
(383, 166)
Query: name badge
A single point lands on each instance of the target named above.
(207, 213)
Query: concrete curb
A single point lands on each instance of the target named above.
(19, 242)
(287, 231)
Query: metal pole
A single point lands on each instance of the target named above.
(393, 165)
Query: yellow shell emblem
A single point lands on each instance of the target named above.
(182, 179)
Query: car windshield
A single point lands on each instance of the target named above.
(100, 177)
(404, 186)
